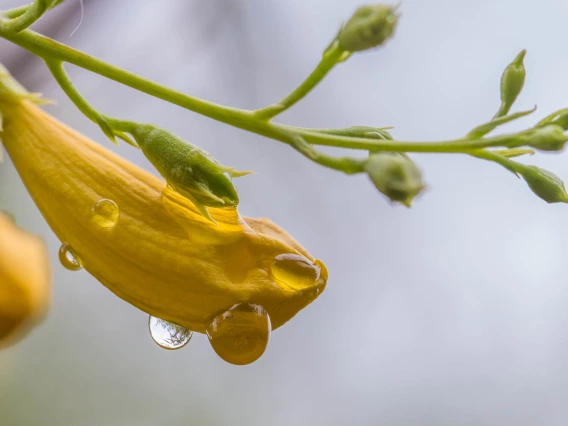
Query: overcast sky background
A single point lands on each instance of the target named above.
(454, 312)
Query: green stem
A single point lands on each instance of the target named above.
(510, 165)
(329, 59)
(58, 71)
(32, 13)
(14, 13)
(51, 50)
(347, 165)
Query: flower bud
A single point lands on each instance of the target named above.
(395, 175)
(544, 184)
(188, 169)
(512, 82)
(550, 137)
(370, 26)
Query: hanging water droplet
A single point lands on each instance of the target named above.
(240, 335)
(68, 258)
(296, 271)
(105, 213)
(168, 335)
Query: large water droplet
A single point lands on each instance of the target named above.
(295, 271)
(168, 335)
(241, 334)
(68, 258)
(105, 213)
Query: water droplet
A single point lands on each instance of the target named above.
(296, 271)
(105, 213)
(68, 258)
(168, 335)
(240, 335)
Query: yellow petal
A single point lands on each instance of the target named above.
(24, 281)
(162, 255)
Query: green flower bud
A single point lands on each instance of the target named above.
(512, 82)
(370, 26)
(546, 138)
(395, 175)
(544, 184)
(188, 169)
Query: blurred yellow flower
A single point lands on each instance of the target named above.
(146, 243)
(24, 280)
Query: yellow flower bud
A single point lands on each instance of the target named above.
(149, 245)
(24, 280)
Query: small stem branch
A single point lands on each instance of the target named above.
(510, 165)
(348, 165)
(14, 13)
(463, 145)
(58, 71)
(32, 13)
(111, 127)
(329, 59)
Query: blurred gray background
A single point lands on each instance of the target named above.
(451, 313)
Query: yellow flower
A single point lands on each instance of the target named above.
(24, 280)
(146, 243)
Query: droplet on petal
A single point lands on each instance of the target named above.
(105, 213)
(168, 335)
(68, 258)
(240, 335)
(295, 270)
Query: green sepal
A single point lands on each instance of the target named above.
(188, 169)
(512, 153)
(485, 128)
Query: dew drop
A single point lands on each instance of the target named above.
(168, 335)
(68, 258)
(240, 335)
(105, 213)
(296, 271)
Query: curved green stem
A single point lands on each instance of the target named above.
(32, 13)
(510, 165)
(329, 59)
(347, 165)
(53, 51)
(15, 12)
(58, 71)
